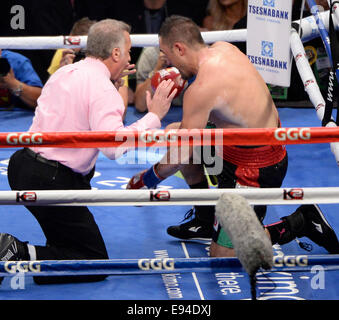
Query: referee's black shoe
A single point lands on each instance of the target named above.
(308, 221)
(194, 229)
(12, 249)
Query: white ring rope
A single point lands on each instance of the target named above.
(138, 40)
(311, 85)
(171, 197)
(308, 25)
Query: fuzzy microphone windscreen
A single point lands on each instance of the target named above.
(251, 244)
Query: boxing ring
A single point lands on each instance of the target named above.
(147, 264)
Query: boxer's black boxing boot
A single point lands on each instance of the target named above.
(194, 229)
(12, 249)
(307, 221)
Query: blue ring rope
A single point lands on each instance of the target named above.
(323, 33)
(300, 263)
(321, 27)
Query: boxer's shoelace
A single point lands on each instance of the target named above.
(188, 214)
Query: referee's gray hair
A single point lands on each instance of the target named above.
(104, 36)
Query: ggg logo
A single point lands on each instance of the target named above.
(283, 134)
(290, 261)
(269, 3)
(158, 136)
(267, 48)
(24, 138)
(156, 264)
(22, 266)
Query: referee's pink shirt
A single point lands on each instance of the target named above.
(81, 97)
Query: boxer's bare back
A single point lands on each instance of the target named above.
(228, 90)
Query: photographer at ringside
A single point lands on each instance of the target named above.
(20, 85)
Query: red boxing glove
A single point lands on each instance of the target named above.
(137, 181)
(169, 73)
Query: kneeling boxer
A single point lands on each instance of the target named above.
(229, 92)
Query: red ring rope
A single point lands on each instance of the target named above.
(160, 138)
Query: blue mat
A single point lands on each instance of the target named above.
(140, 232)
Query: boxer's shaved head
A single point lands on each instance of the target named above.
(180, 29)
(179, 40)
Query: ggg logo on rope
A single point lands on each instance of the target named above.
(284, 134)
(290, 261)
(22, 266)
(156, 264)
(24, 138)
(158, 136)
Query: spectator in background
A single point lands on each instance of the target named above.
(194, 9)
(224, 14)
(151, 60)
(155, 12)
(64, 57)
(19, 83)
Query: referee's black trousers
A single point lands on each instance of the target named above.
(71, 232)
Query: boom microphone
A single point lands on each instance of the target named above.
(251, 244)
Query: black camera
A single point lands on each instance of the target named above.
(79, 56)
(4, 67)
